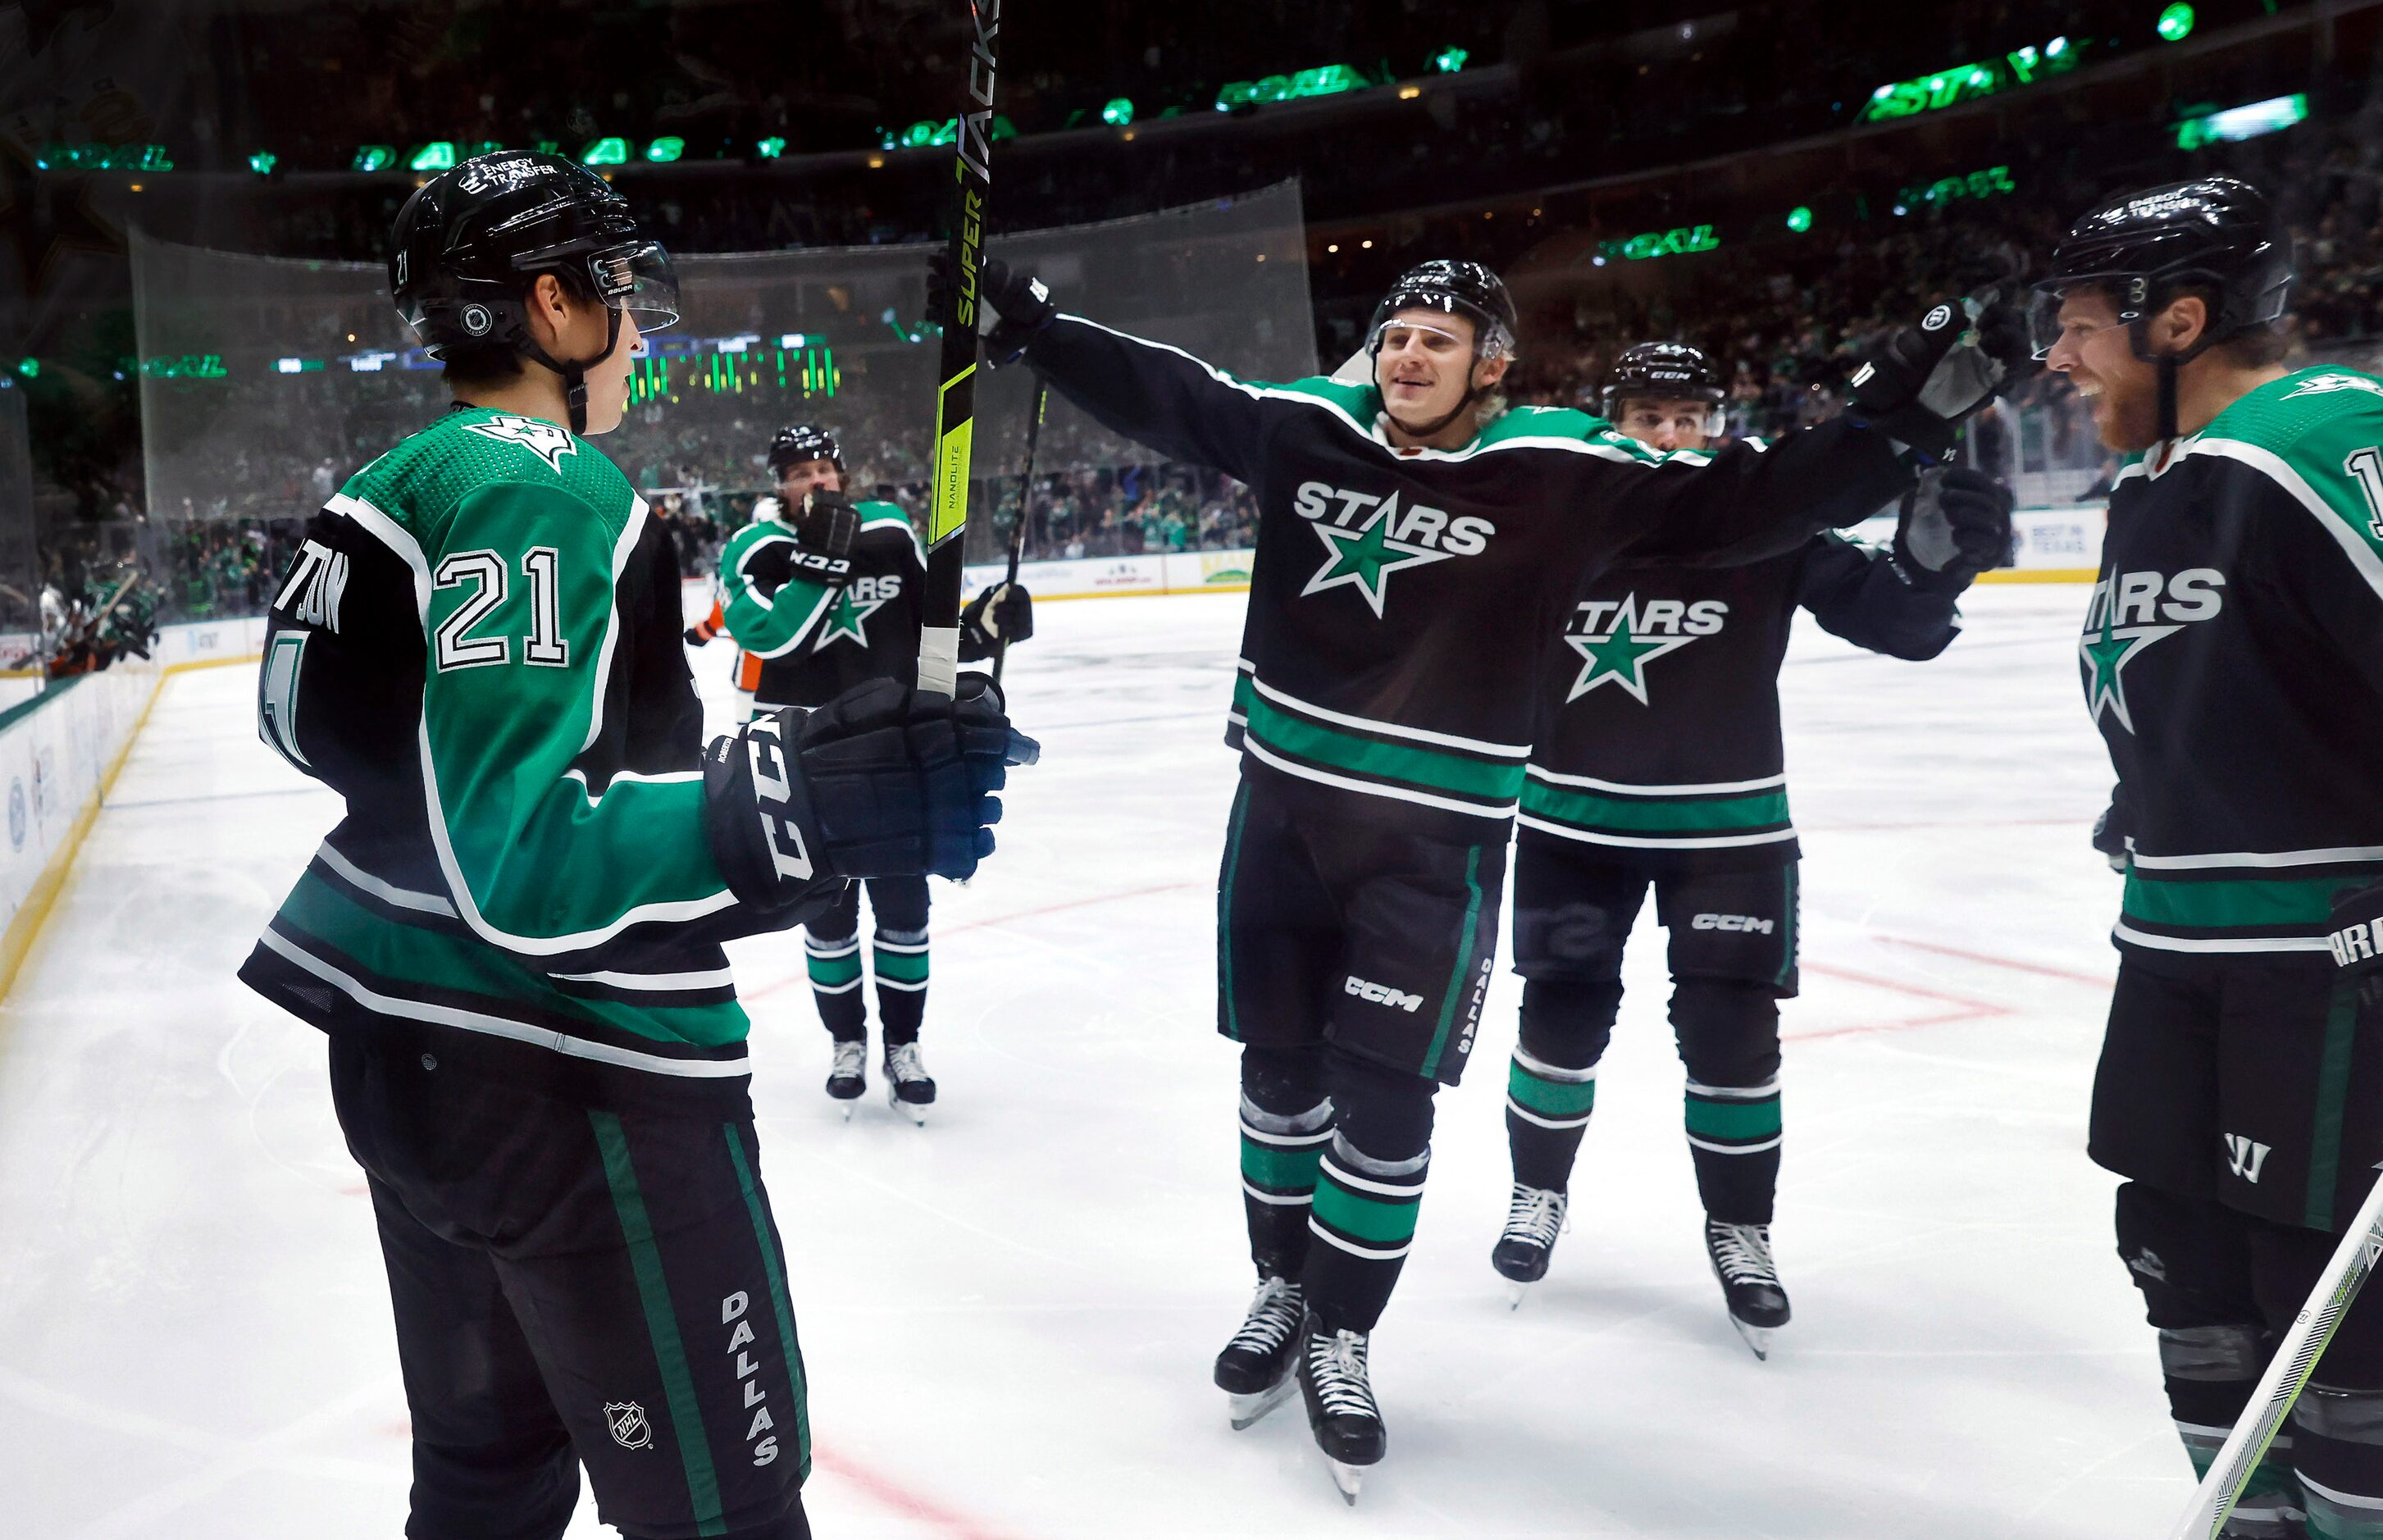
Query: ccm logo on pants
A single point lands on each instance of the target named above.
(1749, 923)
(1382, 994)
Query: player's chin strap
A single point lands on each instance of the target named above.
(574, 375)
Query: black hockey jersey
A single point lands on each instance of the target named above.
(816, 641)
(1401, 601)
(1658, 730)
(477, 646)
(2232, 657)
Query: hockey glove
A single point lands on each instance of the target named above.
(1953, 525)
(825, 528)
(1916, 384)
(2110, 831)
(880, 782)
(2357, 937)
(1011, 307)
(1001, 616)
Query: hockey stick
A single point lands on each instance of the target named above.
(939, 638)
(2288, 1372)
(1025, 506)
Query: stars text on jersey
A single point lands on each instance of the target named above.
(1617, 638)
(2129, 613)
(1368, 537)
(847, 618)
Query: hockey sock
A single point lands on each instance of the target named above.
(835, 966)
(2337, 1455)
(1546, 1113)
(1368, 1190)
(1729, 1040)
(900, 960)
(1285, 1122)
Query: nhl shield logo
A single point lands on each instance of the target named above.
(627, 1421)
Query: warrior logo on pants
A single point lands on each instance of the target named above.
(627, 1421)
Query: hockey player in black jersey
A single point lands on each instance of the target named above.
(819, 629)
(1657, 762)
(512, 937)
(2230, 658)
(1418, 545)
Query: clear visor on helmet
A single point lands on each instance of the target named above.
(1399, 331)
(2045, 303)
(637, 278)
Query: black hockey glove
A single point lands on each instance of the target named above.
(1953, 525)
(2110, 831)
(1012, 306)
(825, 526)
(2357, 937)
(880, 782)
(1001, 616)
(1917, 383)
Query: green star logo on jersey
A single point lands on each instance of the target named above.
(1364, 558)
(847, 619)
(2107, 653)
(1619, 655)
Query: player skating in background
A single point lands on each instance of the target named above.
(816, 631)
(1418, 545)
(2232, 658)
(512, 937)
(1658, 761)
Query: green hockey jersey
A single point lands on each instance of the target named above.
(477, 646)
(816, 641)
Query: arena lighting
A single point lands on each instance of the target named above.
(792, 341)
(1686, 240)
(1967, 82)
(1449, 61)
(611, 150)
(102, 157)
(1799, 219)
(2244, 122)
(668, 148)
(1409, 92)
(1991, 182)
(2175, 22)
(437, 155)
(772, 148)
(30, 367)
(263, 162)
(1324, 80)
(374, 157)
(1118, 113)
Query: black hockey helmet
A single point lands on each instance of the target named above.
(802, 442)
(1456, 288)
(1665, 372)
(468, 244)
(2217, 233)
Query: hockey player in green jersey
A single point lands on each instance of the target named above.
(1418, 546)
(821, 630)
(513, 938)
(2230, 658)
(1657, 762)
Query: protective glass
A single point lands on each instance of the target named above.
(2044, 305)
(637, 278)
(1393, 334)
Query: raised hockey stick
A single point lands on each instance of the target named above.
(2295, 1359)
(1025, 506)
(939, 638)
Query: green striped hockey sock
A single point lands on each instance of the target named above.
(1546, 1113)
(1733, 1138)
(900, 960)
(1279, 1152)
(835, 966)
(1364, 1221)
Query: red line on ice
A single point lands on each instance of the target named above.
(891, 1493)
(1971, 1010)
(1990, 961)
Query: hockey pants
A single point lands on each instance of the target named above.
(897, 957)
(1733, 956)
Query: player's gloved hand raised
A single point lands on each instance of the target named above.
(1915, 383)
(825, 526)
(2356, 937)
(1001, 616)
(880, 782)
(1012, 305)
(1953, 525)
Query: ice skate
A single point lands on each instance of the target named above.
(1255, 1370)
(1341, 1408)
(848, 1076)
(1749, 1281)
(1535, 1216)
(908, 1088)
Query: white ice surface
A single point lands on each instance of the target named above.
(1009, 1314)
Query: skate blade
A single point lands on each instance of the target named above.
(847, 1112)
(1246, 1410)
(1514, 1292)
(1757, 1337)
(914, 1110)
(1348, 1478)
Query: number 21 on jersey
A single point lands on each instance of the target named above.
(483, 572)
